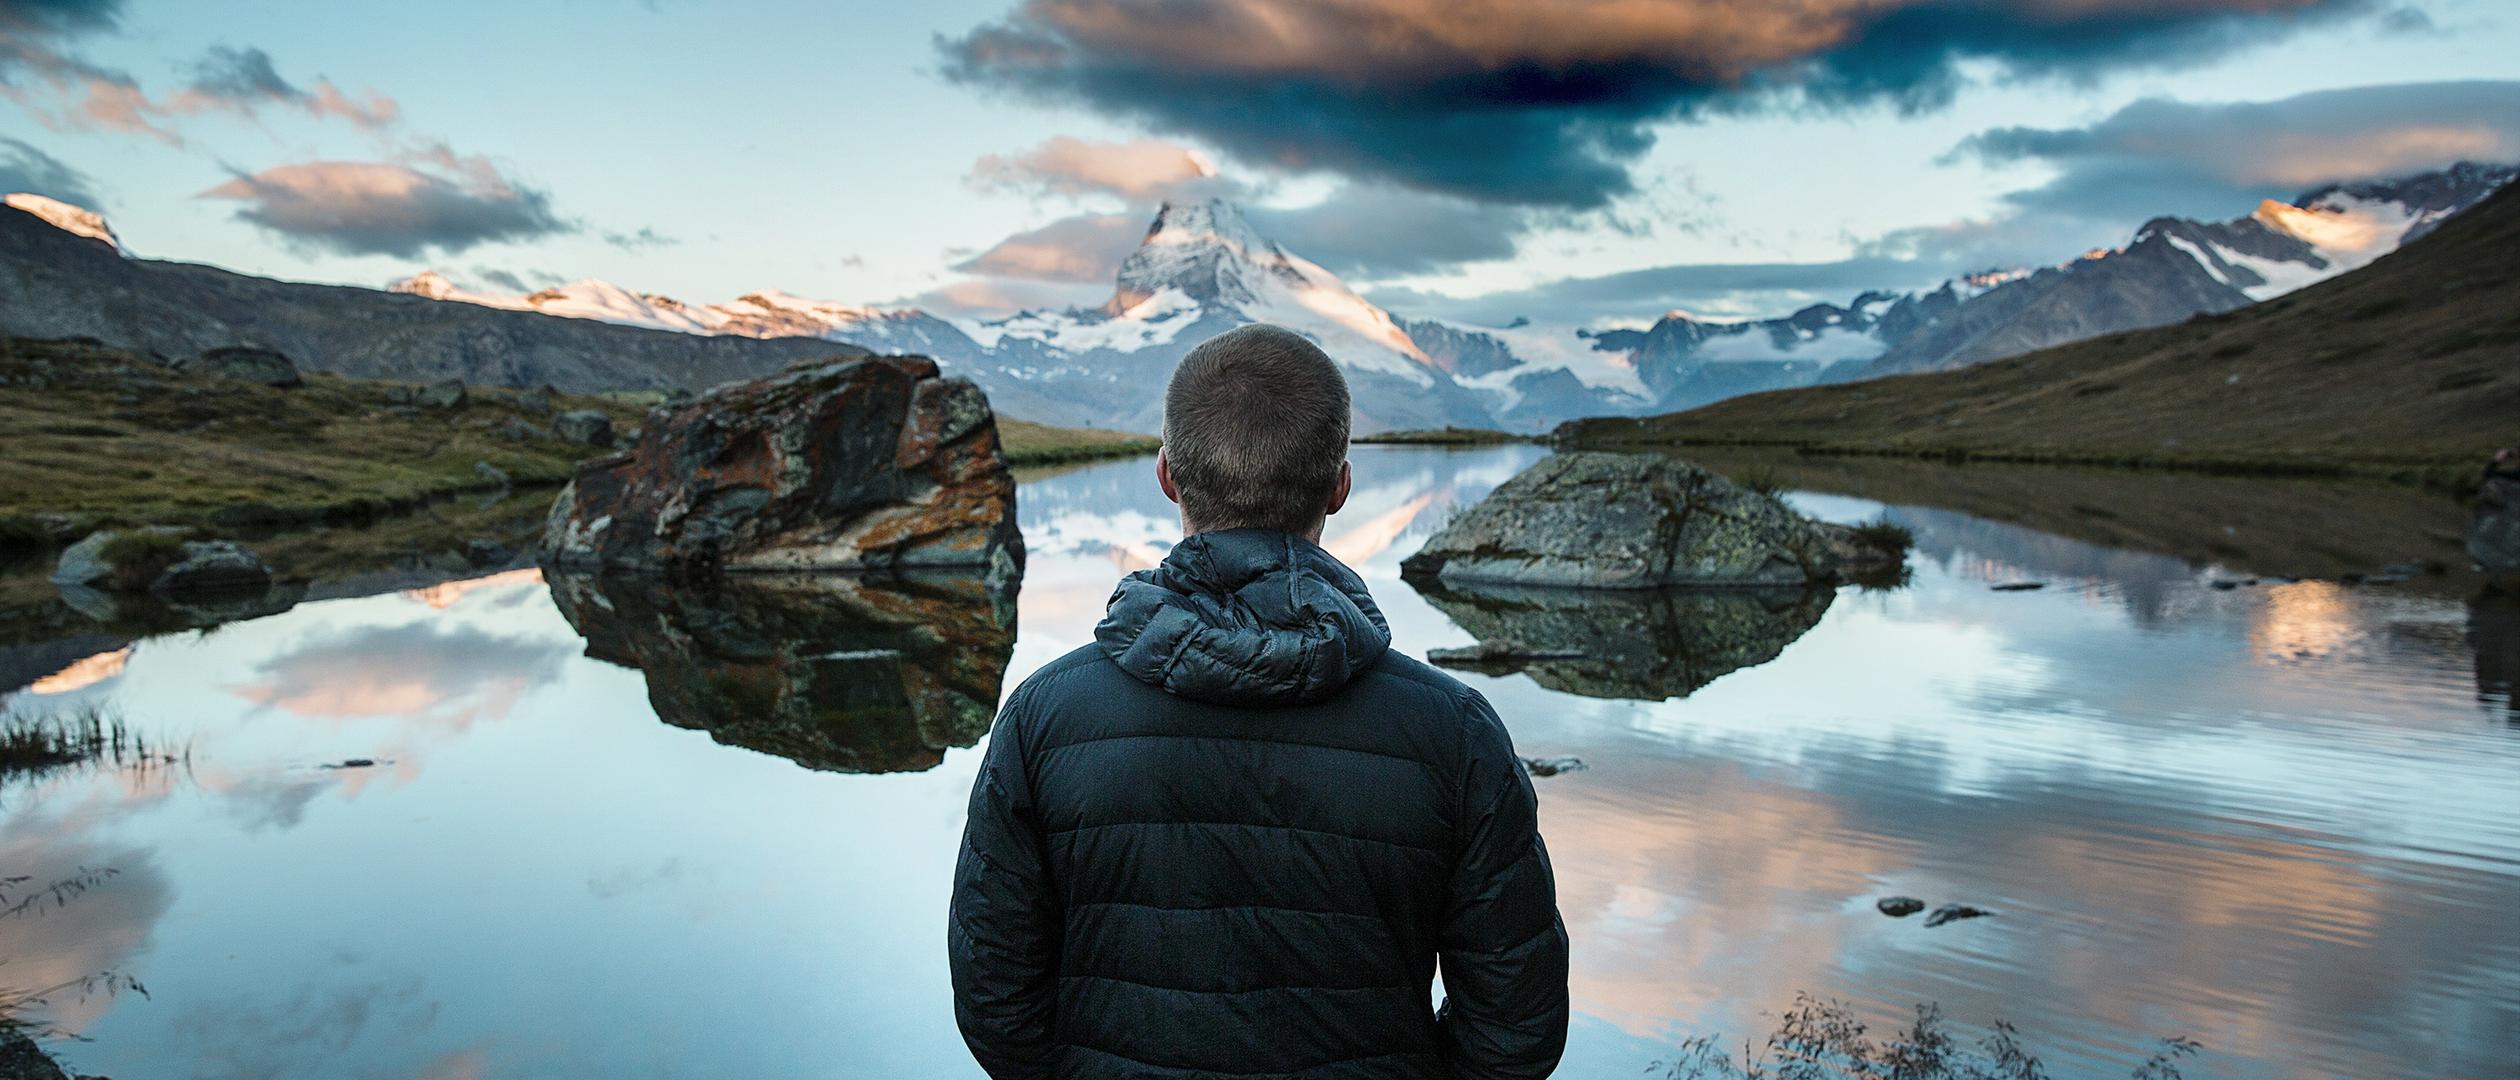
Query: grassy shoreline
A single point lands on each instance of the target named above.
(1447, 436)
(2437, 472)
(1027, 444)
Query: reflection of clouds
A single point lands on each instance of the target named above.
(101, 929)
(83, 673)
(270, 802)
(630, 879)
(312, 1032)
(1353, 544)
(469, 1064)
(447, 594)
(2126, 910)
(451, 675)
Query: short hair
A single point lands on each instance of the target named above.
(1256, 428)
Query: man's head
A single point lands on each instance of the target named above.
(1255, 434)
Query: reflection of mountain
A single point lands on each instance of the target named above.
(833, 672)
(1646, 644)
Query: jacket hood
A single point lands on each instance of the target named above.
(1245, 617)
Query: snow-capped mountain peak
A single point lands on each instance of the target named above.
(76, 220)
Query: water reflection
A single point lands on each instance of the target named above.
(1647, 644)
(834, 672)
(2272, 817)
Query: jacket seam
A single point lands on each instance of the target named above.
(1246, 825)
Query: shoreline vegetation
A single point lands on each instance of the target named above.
(1447, 436)
(1028, 444)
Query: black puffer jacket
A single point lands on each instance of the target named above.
(1236, 834)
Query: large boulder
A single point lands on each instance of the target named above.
(1626, 521)
(244, 362)
(848, 464)
(2494, 534)
(835, 672)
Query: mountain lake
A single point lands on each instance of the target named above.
(516, 827)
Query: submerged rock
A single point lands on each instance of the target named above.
(244, 362)
(1638, 644)
(836, 672)
(1626, 521)
(1899, 907)
(1954, 913)
(847, 464)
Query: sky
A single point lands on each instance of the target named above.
(1581, 161)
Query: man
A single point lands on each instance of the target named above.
(1237, 833)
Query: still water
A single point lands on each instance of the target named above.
(613, 831)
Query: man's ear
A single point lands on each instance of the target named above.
(1164, 480)
(1339, 492)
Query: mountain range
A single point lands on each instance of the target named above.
(2404, 367)
(1202, 268)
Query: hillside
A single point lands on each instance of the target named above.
(56, 282)
(2413, 360)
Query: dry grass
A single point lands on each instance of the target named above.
(2409, 368)
(1027, 443)
(112, 438)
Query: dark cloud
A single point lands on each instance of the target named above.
(25, 168)
(1086, 248)
(1382, 231)
(437, 202)
(2210, 161)
(1725, 290)
(1549, 105)
(243, 80)
(500, 279)
(63, 91)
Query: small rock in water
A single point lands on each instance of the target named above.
(1954, 913)
(354, 763)
(1899, 907)
(2018, 586)
(2228, 584)
(1553, 765)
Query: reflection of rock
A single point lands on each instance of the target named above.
(2494, 535)
(1628, 643)
(1955, 913)
(1619, 521)
(834, 672)
(2494, 632)
(161, 560)
(844, 464)
(153, 613)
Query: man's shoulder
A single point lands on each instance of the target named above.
(1085, 662)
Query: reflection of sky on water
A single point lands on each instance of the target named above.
(2275, 818)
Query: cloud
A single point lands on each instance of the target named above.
(1373, 231)
(244, 80)
(66, 92)
(647, 237)
(25, 168)
(1137, 171)
(434, 202)
(501, 279)
(1715, 289)
(1550, 105)
(991, 297)
(1082, 248)
(2217, 159)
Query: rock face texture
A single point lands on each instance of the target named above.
(2494, 537)
(1625, 521)
(1632, 644)
(834, 672)
(245, 362)
(843, 464)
